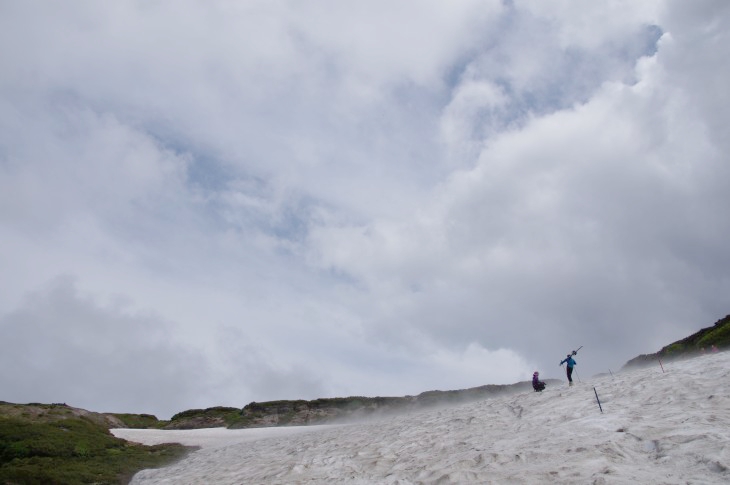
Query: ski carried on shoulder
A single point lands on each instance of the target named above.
(576, 350)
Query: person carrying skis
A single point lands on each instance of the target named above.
(537, 384)
(569, 360)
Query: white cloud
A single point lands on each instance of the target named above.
(477, 365)
(589, 26)
(331, 199)
(556, 221)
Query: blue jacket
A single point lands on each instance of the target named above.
(569, 360)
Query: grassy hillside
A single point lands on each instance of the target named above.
(717, 335)
(215, 417)
(327, 410)
(59, 444)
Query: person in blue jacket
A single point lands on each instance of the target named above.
(569, 360)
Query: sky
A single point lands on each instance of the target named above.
(210, 203)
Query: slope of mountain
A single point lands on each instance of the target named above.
(699, 342)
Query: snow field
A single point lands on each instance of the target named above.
(668, 428)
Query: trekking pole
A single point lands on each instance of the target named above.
(576, 375)
(660, 364)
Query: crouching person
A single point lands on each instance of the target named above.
(537, 384)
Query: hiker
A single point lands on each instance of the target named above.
(537, 384)
(569, 360)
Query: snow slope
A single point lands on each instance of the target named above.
(671, 427)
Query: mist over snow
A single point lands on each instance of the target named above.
(668, 427)
(211, 203)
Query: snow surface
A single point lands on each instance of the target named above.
(671, 427)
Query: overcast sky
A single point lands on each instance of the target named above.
(209, 202)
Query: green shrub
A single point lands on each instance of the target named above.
(140, 421)
(673, 349)
(72, 451)
(218, 411)
(717, 336)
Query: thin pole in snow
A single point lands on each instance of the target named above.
(609, 370)
(598, 400)
(660, 364)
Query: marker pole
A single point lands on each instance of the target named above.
(598, 400)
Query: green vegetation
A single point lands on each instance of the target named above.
(674, 349)
(57, 444)
(327, 410)
(140, 421)
(214, 417)
(717, 335)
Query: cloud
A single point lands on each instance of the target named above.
(565, 228)
(61, 345)
(379, 199)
